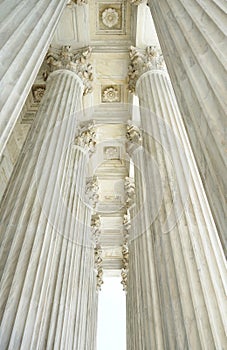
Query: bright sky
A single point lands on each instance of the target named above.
(111, 316)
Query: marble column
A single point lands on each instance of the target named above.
(26, 32)
(192, 34)
(48, 287)
(185, 260)
(144, 325)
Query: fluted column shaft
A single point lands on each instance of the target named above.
(26, 31)
(48, 287)
(144, 324)
(192, 35)
(187, 255)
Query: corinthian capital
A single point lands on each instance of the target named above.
(86, 138)
(142, 62)
(129, 192)
(133, 134)
(91, 191)
(74, 60)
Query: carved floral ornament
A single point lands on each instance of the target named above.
(110, 17)
(142, 62)
(110, 94)
(75, 61)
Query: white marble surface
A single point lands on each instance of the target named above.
(192, 35)
(48, 297)
(176, 293)
(26, 30)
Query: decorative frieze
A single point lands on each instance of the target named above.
(86, 138)
(142, 62)
(73, 60)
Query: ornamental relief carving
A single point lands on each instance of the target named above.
(38, 92)
(75, 61)
(91, 191)
(125, 252)
(142, 62)
(86, 138)
(133, 134)
(111, 94)
(129, 192)
(110, 17)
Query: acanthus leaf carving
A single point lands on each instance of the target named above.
(95, 227)
(86, 138)
(125, 253)
(98, 267)
(142, 62)
(75, 61)
(133, 134)
(91, 191)
(129, 192)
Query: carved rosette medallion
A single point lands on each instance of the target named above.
(75, 61)
(110, 17)
(86, 139)
(110, 95)
(142, 62)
